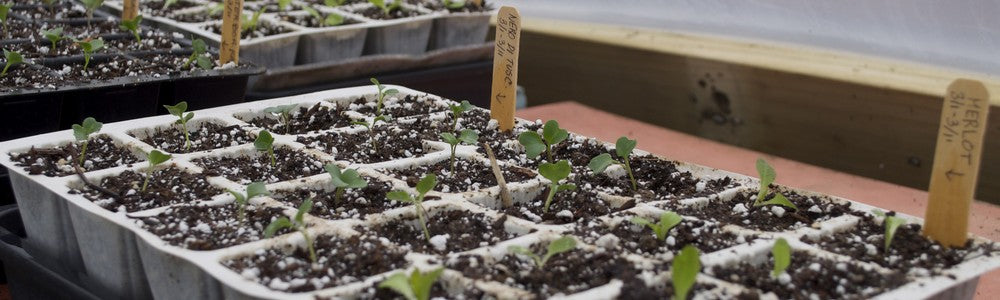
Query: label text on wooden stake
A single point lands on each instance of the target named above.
(956, 162)
(504, 93)
(229, 51)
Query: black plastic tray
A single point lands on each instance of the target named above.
(26, 278)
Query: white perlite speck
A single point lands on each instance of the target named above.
(778, 211)
(739, 208)
(440, 242)
(700, 186)
(608, 241)
(564, 214)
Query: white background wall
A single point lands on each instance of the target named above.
(962, 34)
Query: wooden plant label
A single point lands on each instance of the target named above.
(508, 41)
(956, 162)
(130, 9)
(229, 51)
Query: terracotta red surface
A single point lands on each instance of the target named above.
(984, 221)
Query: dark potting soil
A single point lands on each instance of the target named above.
(338, 261)
(397, 106)
(577, 152)
(376, 13)
(390, 144)
(207, 136)
(58, 13)
(435, 5)
(354, 204)
(468, 175)
(244, 169)
(149, 41)
(909, 249)
(22, 76)
(167, 186)
(566, 207)
(264, 28)
(174, 63)
(115, 68)
(656, 179)
(270, 7)
(304, 120)
(195, 17)
(460, 231)
(43, 50)
(740, 212)
(635, 288)
(810, 277)
(310, 21)
(707, 237)
(201, 227)
(567, 273)
(102, 153)
(437, 292)
(155, 7)
(84, 30)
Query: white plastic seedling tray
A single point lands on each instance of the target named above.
(134, 263)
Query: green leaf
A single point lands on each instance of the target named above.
(4, 10)
(313, 12)
(264, 141)
(378, 3)
(156, 157)
(563, 244)
(782, 254)
(400, 196)
(177, 109)
(460, 108)
(553, 134)
(518, 250)
(454, 4)
(532, 142)
(333, 19)
(767, 175)
(283, 4)
(203, 62)
(333, 3)
(892, 224)
(131, 25)
(257, 189)
(555, 171)
(305, 207)
(390, 92)
(399, 283)
(376, 83)
(468, 136)
(624, 147)
(214, 9)
(422, 282)
(565, 187)
(281, 109)
(199, 46)
(278, 224)
(667, 221)
(601, 162)
(778, 199)
(353, 179)
(684, 271)
(89, 126)
(426, 184)
(168, 3)
(188, 117)
(54, 35)
(239, 197)
(449, 138)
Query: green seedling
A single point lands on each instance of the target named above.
(891, 224)
(283, 4)
(214, 9)
(182, 119)
(4, 11)
(555, 172)
(623, 147)
(667, 221)
(417, 286)
(782, 254)
(342, 180)
(767, 176)
(563, 244)
(298, 224)
(253, 190)
(387, 8)
(198, 50)
(382, 93)
(467, 136)
(456, 112)
(534, 144)
(684, 271)
(168, 3)
(89, 47)
(265, 143)
(285, 112)
(371, 128)
(334, 3)
(250, 23)
(54, 35)
(425, 185)
(454, 4)
(133, 27)
(331, 19)
(154, 158)
(82, 133)
(91, 6)
(13, 58)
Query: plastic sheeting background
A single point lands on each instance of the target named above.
(962, 34)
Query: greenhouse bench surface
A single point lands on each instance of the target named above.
(576, 117)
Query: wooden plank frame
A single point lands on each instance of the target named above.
(859, 114)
